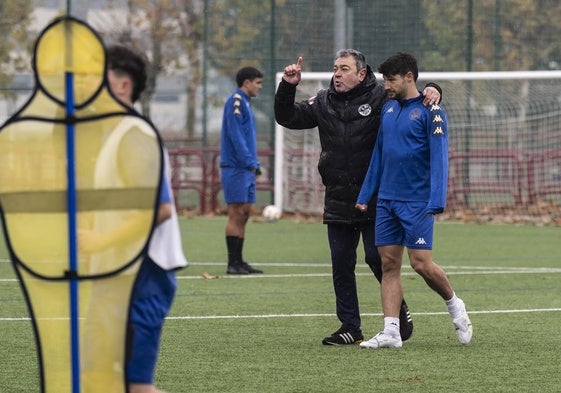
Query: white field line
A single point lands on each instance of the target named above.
(265, 316)
(403, 274)
(450, 270)
(362, 314)
(359, 265)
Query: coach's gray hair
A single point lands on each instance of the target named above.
(358, 56)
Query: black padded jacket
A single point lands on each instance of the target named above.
(348, 126)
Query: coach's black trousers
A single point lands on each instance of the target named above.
(343, 242)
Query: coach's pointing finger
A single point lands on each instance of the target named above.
(293, 72)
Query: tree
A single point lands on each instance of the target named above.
(191, 25)
(15, 44)
(170, 34)
(508, 35)
(144, 28)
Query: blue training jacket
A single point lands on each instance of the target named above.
(410, 158)
(238, 146)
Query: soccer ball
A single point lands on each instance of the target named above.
(271, 213)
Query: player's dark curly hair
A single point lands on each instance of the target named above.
(400, 64)
(122, 59)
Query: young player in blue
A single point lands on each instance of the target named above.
(409, 171)
(153, 293)
(155, 285)
(239, 165)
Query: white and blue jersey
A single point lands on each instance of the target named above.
(410, 158)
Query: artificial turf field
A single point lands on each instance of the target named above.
(262, 333)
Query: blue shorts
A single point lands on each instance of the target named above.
(403, 223)
(238, 185)
(150, 303)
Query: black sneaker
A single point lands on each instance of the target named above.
(344, 336)
(250, 269)
(236, 268)
(405, 322)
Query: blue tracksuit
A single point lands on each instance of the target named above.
(410, 158)
(238, 145)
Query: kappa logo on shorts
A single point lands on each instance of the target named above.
(420, 241)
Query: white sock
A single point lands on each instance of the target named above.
(455, 306)
(391, 326)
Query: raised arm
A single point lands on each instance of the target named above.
(293, 72)
(288, 113)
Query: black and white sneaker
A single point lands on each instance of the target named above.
(405, 322)
(344, 336)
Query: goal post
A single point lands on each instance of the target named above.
(294, 173)
(504, 146)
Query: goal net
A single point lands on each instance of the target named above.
(504, 147)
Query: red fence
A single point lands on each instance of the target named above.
(504, 177)
(189, 171)
(198, 170)
(490, 177)
(496, 174)
(544, 174)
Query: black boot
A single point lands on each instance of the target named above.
(250, 269)
(235, 265)
(236, 268)
(405, 322)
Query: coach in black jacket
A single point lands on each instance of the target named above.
(347, 116)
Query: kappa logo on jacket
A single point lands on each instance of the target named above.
(237, 103)
(365, 109)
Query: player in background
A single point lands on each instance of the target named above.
(409, 172)
(347, 116)
(239, 165)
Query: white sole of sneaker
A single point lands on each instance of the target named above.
(374, 343)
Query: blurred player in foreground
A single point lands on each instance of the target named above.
(155, 285)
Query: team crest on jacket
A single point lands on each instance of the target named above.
(365, 109)
(415, 114)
